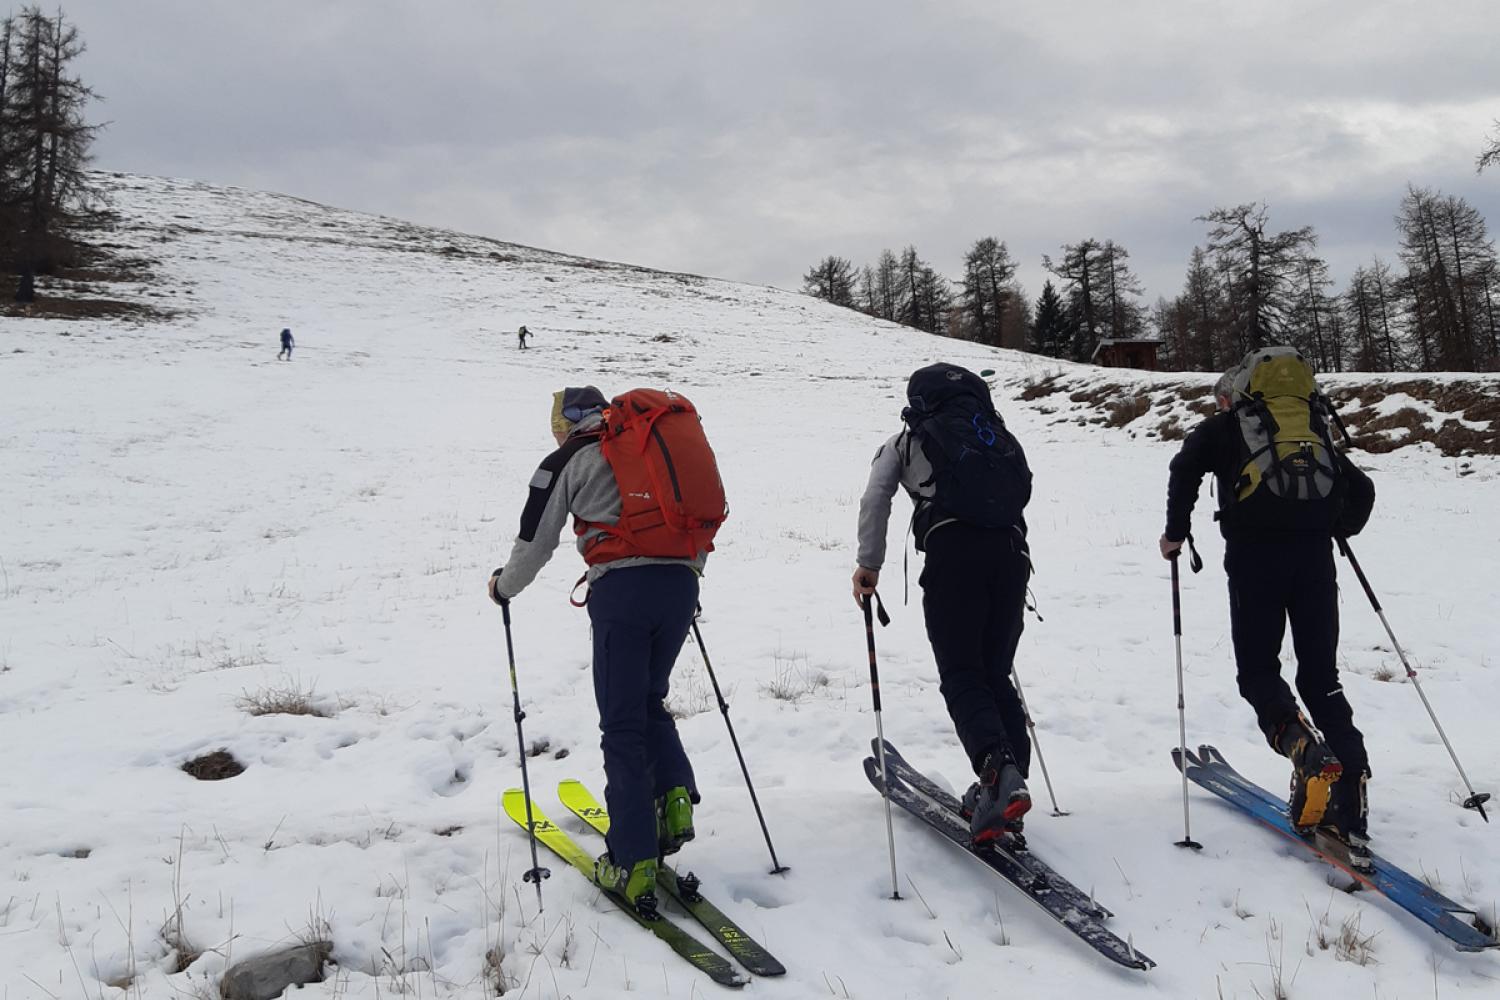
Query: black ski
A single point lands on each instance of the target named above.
(1022, 856)
(1086, 926)
(1463, 926)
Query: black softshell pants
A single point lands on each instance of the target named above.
(1291, 578)
(973, 596)
(641, 615)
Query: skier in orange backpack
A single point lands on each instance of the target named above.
(640, 481)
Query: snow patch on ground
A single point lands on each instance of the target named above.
(191, 525)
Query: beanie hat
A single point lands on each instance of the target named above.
(571, 405)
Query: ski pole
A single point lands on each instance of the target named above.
(1035, 745)
(537, 872)
(1187, 834)
(1476, 800)
(890, 831)
(776, 866)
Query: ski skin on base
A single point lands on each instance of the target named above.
(920, 782)
(746, 950)
(1460, 924)
(716, 966)
(1084, 925)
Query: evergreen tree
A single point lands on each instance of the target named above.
(1450, 261)
(1173, 322)
(1260, 272)
(1207, 347)
(44, 143)
(1016, 320)
(1313, 312)
(1381, 284)
(924, 297)
(1124, 316)
(832, 280)
(9, 200)
(868, 303)
(1079, 269)
(1052, 330)
(882, 287)
(1358, 304)
(1490, 155)
(986, 295)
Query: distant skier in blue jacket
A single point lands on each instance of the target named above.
(285, 354)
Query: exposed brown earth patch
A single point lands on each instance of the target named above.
(1456, 416)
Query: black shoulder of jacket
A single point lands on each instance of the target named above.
(545, 479)
(1204, 443)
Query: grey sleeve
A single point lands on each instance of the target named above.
(875, 505)
(542, 523)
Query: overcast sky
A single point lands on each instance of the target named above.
(746, 140)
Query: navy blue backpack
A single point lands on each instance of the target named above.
(979, 472)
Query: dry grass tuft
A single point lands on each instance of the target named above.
(1125, 410)
(1045, 387)
(287, 698)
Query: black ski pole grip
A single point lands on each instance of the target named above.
(1176, 597)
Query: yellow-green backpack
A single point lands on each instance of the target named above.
(1283, 420)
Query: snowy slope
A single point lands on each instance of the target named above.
(188, 522)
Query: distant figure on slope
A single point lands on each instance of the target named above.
(609, 470)
(1285, 492)
(285, 354)
(521, 336)
(968, 478)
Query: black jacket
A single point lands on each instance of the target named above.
(1214, 446)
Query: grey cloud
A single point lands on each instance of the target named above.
(747, 139)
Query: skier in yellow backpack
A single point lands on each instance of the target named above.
(1285, 492)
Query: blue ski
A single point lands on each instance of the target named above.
(1463, 926)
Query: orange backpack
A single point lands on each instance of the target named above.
(671, 497)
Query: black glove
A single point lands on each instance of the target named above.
(494, 589)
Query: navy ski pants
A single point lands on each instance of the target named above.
(641, 616)
(1273, 581)
(973, 596)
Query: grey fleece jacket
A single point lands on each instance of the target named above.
(573, 480)
(899, 462)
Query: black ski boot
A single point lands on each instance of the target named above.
(1347, 819)
(1315, 770)
(996, 803)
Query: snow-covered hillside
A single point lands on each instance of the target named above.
(190, 526)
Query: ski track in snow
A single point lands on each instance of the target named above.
(188, 520)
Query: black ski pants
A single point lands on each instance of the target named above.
(1274, 580)
(973, 597)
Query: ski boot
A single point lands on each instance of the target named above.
(637, 884)
(674, 820)
(1315, 770)
(1347, 819)
(995, 804)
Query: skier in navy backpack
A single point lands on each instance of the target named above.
(1285, 492)
(643, 592)
(968, 479)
